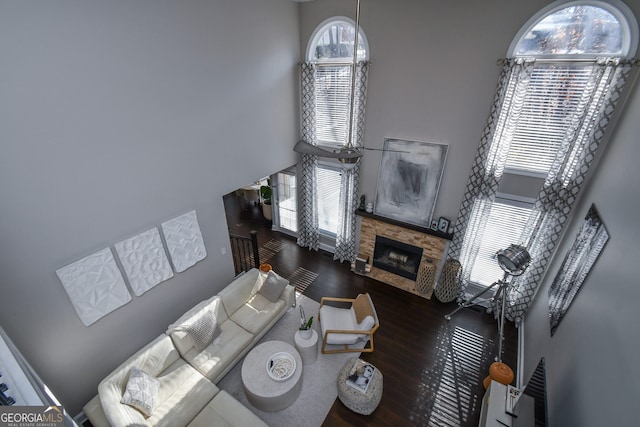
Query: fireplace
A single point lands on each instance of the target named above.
(397, 257)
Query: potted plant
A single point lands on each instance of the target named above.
(305, 325)
(265, 193)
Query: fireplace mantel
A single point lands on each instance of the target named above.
(425, 230)
(433, 244)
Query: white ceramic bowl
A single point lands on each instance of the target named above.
(281, 366)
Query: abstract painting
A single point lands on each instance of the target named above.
(583, 253)
(409, 179)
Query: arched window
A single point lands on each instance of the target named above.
(578, 29)
(559, 87)
(333, 41)
(334, 81)
(330, 48)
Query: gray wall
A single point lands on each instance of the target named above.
(433, 78)
(116, 116)
(420, 86)
(593, 378)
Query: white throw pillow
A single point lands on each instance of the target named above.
(203, 330)
(141, 392)
(366, 324)
(273, 286)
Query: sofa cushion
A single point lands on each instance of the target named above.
(213, 360)
(141, 391)
(182, 395)
(182, 330)
(334, 318)
(225, 411)
(240, 290)
(179, 385)
(273, 286)
(257, 313)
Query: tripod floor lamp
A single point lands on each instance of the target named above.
(513, 260)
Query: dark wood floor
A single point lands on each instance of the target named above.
(433, 368)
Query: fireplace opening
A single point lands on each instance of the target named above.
(397, 257)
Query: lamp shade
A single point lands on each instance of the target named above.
(514, 260)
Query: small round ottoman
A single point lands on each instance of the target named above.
(361, 403)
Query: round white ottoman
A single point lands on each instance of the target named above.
(361, 403)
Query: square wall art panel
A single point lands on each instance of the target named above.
(94, 285)
(144, 260)
(184, 241)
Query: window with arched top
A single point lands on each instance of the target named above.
(333, 41)
(330, 50)
(566, 69)
(579, 29)
(333, 91)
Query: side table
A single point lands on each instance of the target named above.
(308, 348)
(361, 403)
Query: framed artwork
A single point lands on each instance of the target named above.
(591, 239)
(409, 179)
(443, 224)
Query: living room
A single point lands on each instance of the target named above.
(119, 116)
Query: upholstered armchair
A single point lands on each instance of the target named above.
(344, 326)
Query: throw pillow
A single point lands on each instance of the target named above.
(273, 286)
(203, 330)
(362, 307)
(141, 392)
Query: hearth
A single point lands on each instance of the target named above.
(397, 257)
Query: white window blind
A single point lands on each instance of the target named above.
(549, 108)
(328, 198)
(287, 201)
(504, 227)
(333, 88)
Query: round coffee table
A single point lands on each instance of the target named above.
(262, 391)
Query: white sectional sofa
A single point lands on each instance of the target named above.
(180, 369)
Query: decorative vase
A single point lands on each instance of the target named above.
(369, 208)
(265, 268)
(305, 334)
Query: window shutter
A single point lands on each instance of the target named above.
(552, 101)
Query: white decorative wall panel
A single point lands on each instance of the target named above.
(144, 261)
(184, 241)
(95, 285)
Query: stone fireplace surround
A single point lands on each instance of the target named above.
(433, 244)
